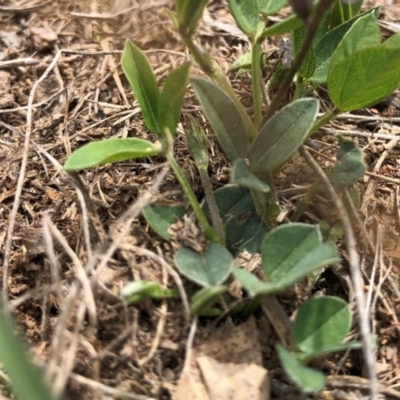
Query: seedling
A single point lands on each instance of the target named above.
(332, 45)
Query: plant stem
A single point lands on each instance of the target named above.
(212, 205)
(208, 230)
(308, 40)
(263, 201)
(212, 69)
(324, 120)
(197, 144)
(256, 81)
(298, 92)
(287, 25)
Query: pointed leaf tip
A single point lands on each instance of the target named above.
(139, 73)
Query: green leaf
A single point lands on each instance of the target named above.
(393, 41)
(350, 164)
(205, 299)
(365, 78)
(109, 151)
(244, 229)
(138, 71)
(307, 67)
(161, 217)
(210, 268)
(27, 380)
(246, 15)
(308, 379)
(327, 46)
(250, 282)
(244, 232)
(243, 61)
(189, 13)
(364, 33)
(330, 349)
(224, 118)
(197, 144)
(321, 322)
(137, 291)
(289, 253)
(269, 7)
(171, 98)
(323, 28)
(345, 10)
(282, 135)
(242, 176)
(292, 251)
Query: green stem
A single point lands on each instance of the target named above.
(298, 92)
(196, 141)
(265, 203)
(212, 205)
(256, 80)
(320, 122)
(280, 28)
(306, 45)
(208, 230)
(212, 69)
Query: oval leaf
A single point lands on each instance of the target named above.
(326, 47)
(321, 322)
(292, 251)
(209, 268)
(308, 379)
(171, 98)
(246, 14)
(161, 217)
(365, 78)
(282, 135)
(224, 117)
(138, 71)
(365, 32)
(109, 151)
(244, 229)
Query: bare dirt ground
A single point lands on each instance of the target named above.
(72, 242)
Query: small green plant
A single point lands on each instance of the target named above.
(320, 326)
(333, 45)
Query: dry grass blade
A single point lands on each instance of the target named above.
(25, 9)
(351, 245)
